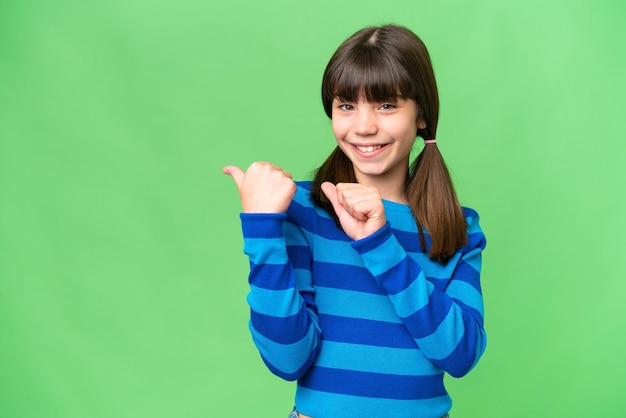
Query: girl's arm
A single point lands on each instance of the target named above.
(283, 319)
(446, 322)
(283, 316)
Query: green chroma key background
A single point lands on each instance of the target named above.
(122, 278)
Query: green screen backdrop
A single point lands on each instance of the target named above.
(122, 277)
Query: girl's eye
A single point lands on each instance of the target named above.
(345, 106)
(387, 106)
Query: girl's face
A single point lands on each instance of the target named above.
(377, 137)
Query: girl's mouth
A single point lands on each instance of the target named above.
(368, 149)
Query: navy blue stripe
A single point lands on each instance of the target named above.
(287, 330)
(342, 276)
(262, 225)
(300, 256)
(470, 311)
(298, 373)
(304, 184)
(475, 240)
(260, 275)
(303, 216)
(365, 331)
(309, 300)
(373, 385)
(400, 276)
(466, 273)
(410, 240)
(460, 361)
(440, 284)
(469, 212)
(304, 213)
(426, 320)
(327, 228)
(373, 241)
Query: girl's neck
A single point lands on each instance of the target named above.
(391, 188)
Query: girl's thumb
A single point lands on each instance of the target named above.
(330, 190)
(236, 173)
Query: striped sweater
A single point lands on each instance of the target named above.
(366, 327)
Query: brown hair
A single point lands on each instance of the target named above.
(382, 64)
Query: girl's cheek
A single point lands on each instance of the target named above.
(336, 131)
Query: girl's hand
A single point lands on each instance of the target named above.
(263, 188)
(359, 208)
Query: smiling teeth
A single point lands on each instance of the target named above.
(370, 148)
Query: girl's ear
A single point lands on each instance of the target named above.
(421, 124)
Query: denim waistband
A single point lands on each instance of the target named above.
(294, 414)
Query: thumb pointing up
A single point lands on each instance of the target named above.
(330, 190)
(359, 208)
(236, 173)
(263, 187)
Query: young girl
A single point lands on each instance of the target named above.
(365, 282)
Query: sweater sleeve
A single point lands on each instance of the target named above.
(283, 316)
(446, 322)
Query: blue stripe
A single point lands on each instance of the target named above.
(397, 278)
(323, 404)
(444, 340)
(465, 355)
(410, 240)
(271, 276)
(430, 318)
(293, 375)
(262, 225)
(330, 251)
(476, 238)
(300, 256)
(328, 229)
(461, 290)
(474, 258)
(478, 316)
(368, 332)
(373, 385)
(372, 242)
(294, 234)
(266, 250)
(417, 294)
(312, 218)
(287, 330)
(395, 207)
(353, 304)
(289, 359)
(324, 225)
(286, 302)
(341, 276)
(305, 185)
(433, 269)
(469, 212)
(366, 358)
(301, 212)
(386, 256)
(466, 273)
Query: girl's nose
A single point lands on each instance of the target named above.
(366, 124)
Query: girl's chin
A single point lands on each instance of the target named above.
(370, 172)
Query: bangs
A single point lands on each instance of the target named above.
(370, 73)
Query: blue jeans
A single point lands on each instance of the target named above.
(294, 414)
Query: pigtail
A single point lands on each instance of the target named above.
(435, 205)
